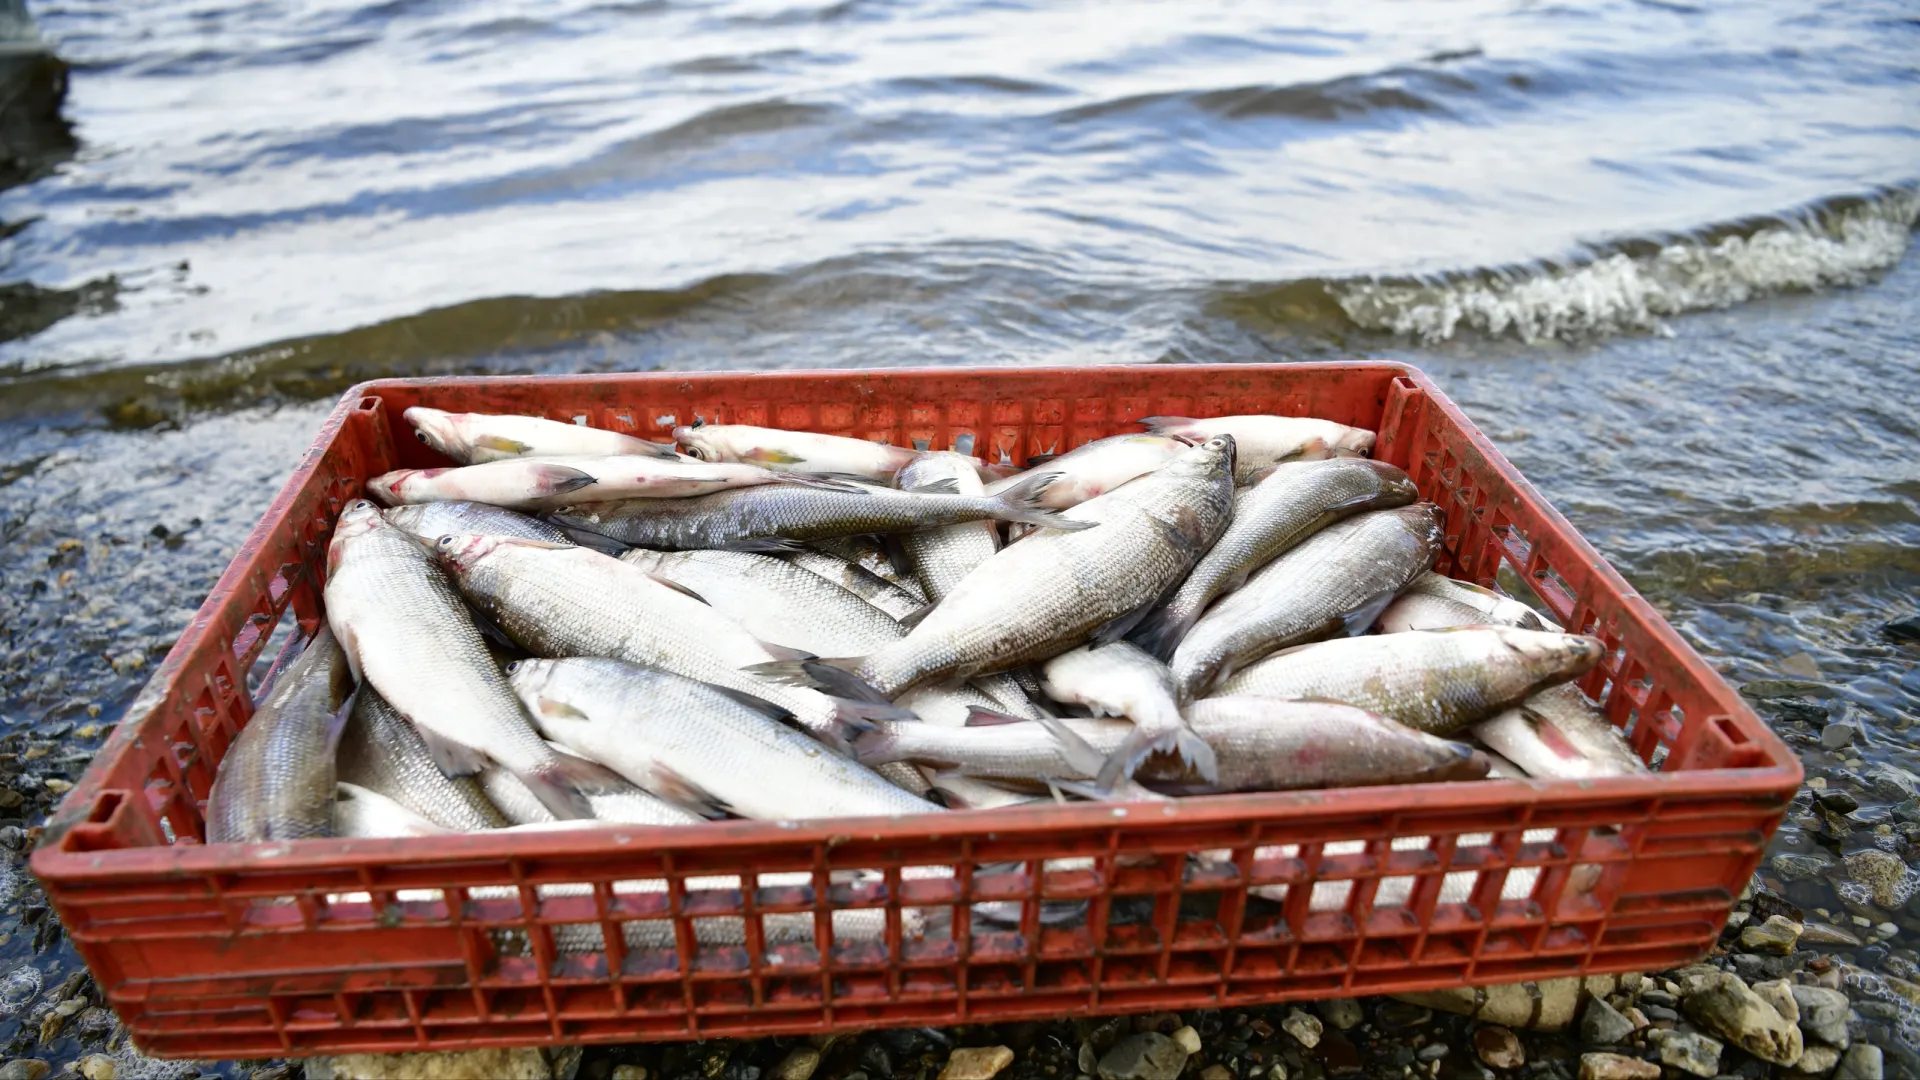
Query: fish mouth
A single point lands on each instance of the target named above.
(433, 427)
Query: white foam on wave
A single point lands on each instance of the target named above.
(1620, 292)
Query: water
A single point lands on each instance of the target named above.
(1659, 252)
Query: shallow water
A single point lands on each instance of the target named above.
(1658, 251)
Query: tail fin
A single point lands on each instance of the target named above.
(1021, 502)
(833, 675)
(1181, 742)
(1166, 425)
(1161, 632)
(876, 746)
(561, 786)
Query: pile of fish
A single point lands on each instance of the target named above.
(573, 626)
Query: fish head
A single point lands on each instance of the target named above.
(462, 552)
(1214, 457)
(360, 518)
(699, 444)
(441, 430)
(1395, 484)
(1551, 655)
(1351, 442)
(392, 488)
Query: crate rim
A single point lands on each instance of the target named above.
(56, 867)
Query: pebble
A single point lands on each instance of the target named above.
(1658, 997)
(1729, 1008)
(1403, 1014)
(1817, 1061)
(1304, 1028)
(1884, 874)
(1431, 1052)
(1146, 1055)
(798, 1064)
(1907, 629)
(976, 1063)
(1499, 1047)
(25, 1069)
(1187, 1038)
(1886, 929)
(1690, 1052)
(1604, 1025)
(1342, 1013)
(1818, 933)
(1820, 1006)
(1839, 734)
(1216, 1072)
(1278, 1072)
(629, 1072)
(1776, 936)
(1862, 1062)
(1616, 1067)
(97, 1067)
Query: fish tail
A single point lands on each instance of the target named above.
(1193, 751)
(1166, 425)
(1120, 764)
(876, 746)
(561, 786)
(1021, 502)
(1160, 634)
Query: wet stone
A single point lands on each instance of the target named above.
(1402, 1014)
(1690, 1053)
(1863, 1061)
(1659, 998)
(977, 1063)
(1338, 1056)
(1147, 1055)
(798, 1064)
(1342, 1013)
(1839, 734)
(1216, 1072)
(1304, 1028)
(1818, 933)
(25, 1069)
(1817, 1061)
(1187, 1039)
(1616, 1067)
(1432, 1052)
(1604, 1025)
(1907, 629)
(1499, 1047)
(1838, 801)
(1778, 935)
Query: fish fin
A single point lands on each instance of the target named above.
(1080, 754)
(591, 777)
(752, 701)
(337, 722)
(561, 787)
(760, 455)
(350, 648)
(784, 672)
(1034, 461)
(1163, 425)
(1123, 624)
(1126, 758)
(875, 746)
(825, 482)
(917, 616)
(552, 479)
(555, 709)
(676, 788)
(772, 545)
(592, 541)
(897, 557)
(663, 451)
(490, 629)
(677, 587)
(1194, 751)
(983, 717)
(503, 445)
(836, 679)
(856, 481)
(859, 715)
(1021, 502)
(945, 485)
(1092, 792)
(1161, 633)
(785, 652)
(454, 759)
(1361, 619)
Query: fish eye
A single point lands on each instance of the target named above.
(513, 667)
(421, 435)
(446, 541)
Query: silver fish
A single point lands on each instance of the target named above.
(1120, 679)
(1262, 745)
(475, 438)
(570, 601)
(871, 554)
(1053, 591)
(431, 521)
(406, 632)
(1435, 602)
(276, 780)
(776, 517)
(367, 814)
(1297, 500)
(775, 600)
(382, 753)
(1337, 579)
(1266, 440)
(941, 557)
(794, 451)
(697, 745)
(896, 601)
(547, 482)
(1439, 681)
(1101, 466)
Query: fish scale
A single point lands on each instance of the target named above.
(381, 752)
(408, 633)
(775, 600)
(1308, 593)
(942, 557)
(1052, 591)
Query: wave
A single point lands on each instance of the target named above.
(1629, 287)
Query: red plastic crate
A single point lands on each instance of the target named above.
(327, 946)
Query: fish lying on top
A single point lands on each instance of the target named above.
(476, 438)
(803, 452)
(1268, 440)
(276, 781)
(1099, 466)
(543, 483)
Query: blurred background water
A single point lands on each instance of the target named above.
(1658, 250)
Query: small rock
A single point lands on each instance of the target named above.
(1639, 1018)
(1794, 867)
(1661, 1012)
(1431, 1052)
(99, 1067)
(1216, 1072)
(1819, 933)
(1342, 1013)
(1604, 1025)
(1884, 874)
(1839, 734)
(1187, 1039)
(282, 1072)
(1727, 1007)
(25, 1069)
(1146, 1055)
(1885, 929)
(1304, 1028)
(1907, 629)
(1499, 1047)
(798, 1064)
(1278, 1072)
(1819, 1006)
(1838, 801)
(1690, 1052)
(1817, 1061)
(1779, 994)
(1616, 1067)
(1776, 936)
(1403, 1014)
(629, 1072)
(976, 1063)
(1862, 1062)
(1658, 997)
(1767, 904)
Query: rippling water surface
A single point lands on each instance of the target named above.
(1658, 250)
